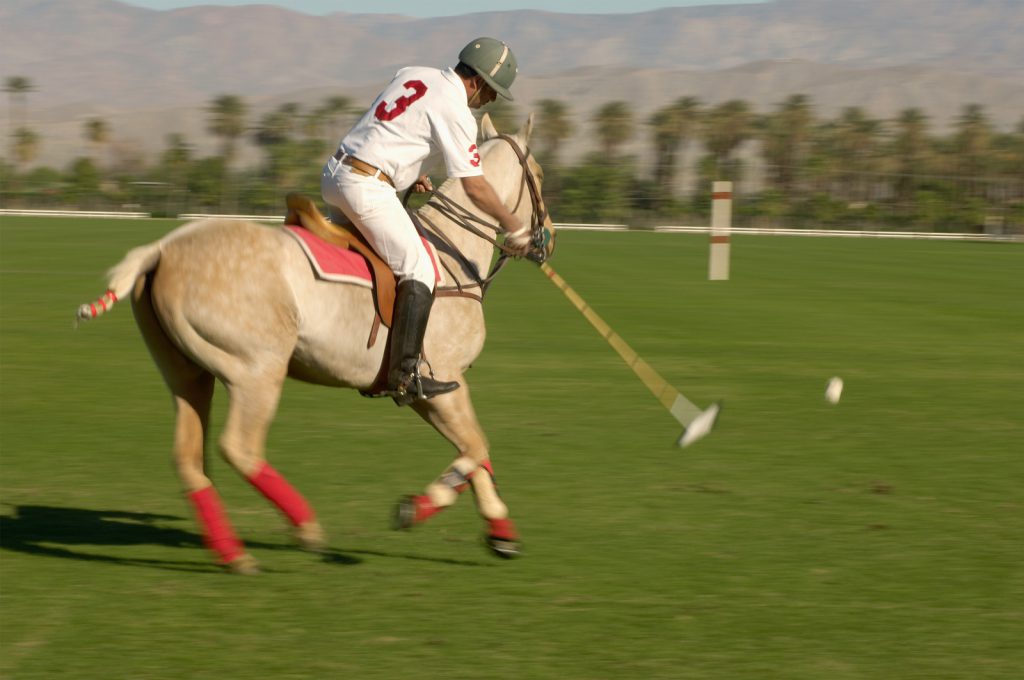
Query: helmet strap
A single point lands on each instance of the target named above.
(476, 92)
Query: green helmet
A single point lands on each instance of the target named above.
(493, 61)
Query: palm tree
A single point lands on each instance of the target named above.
(97, 133)
(335, 112)
(17, 89)
(858, 139)
(910, 147)
(553, 128)
(174, 166)
(614, 123)
(278, 126)
(672, 127)
(1016, 163)
(973, 140)
(276, 134)
(785, 137)
(726, 127)
(26, 145)
(227, 121)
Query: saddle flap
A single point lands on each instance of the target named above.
(302, 211)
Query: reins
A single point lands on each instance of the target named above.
(466, 220)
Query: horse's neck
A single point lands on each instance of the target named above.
(472, 247)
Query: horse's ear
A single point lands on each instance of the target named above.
(487, 129)
(524, 132)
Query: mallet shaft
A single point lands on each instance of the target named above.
(679, 406)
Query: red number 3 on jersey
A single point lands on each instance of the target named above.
(474, 156)
(402, 103)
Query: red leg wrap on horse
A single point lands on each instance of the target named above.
(425, 508)
(282, 494)
(503, 528)
(217, 532)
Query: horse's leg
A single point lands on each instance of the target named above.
(192, 388)
(453, 416)
(252, 403)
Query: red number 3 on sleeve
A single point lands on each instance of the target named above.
(402, 103)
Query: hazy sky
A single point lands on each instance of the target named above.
(421, 8)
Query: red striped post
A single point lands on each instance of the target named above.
(721, 226)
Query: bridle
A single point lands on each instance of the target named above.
(540, 235)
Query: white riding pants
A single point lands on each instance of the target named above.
(375, 210)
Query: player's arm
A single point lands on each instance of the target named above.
(483, 196)
(457, 138)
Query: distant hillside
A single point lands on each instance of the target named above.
(151, 72)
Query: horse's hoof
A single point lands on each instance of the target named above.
(244, 565)
(505, 548)
(503, 539)
(310, 536)
(404, 515)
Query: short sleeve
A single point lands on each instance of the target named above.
(456, 139)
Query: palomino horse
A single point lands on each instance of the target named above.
(239, 302)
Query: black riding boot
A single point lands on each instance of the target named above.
(412, 310)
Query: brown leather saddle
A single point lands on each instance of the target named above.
(302, 211)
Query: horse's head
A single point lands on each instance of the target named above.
(513, 170)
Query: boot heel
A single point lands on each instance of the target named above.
(413, 301)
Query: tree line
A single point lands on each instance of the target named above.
(790, 166)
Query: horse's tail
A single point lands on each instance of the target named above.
(120, 280)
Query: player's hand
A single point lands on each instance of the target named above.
(423, 185)
(518, 242)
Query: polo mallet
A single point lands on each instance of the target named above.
(696, 423)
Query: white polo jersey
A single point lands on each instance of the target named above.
(421, 112)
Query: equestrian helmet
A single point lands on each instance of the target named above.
(493, 61)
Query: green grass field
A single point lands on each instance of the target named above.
(879, 538)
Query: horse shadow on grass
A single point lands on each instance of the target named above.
(61, 532)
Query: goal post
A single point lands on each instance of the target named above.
(721, 226)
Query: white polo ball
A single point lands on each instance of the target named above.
(834, 390)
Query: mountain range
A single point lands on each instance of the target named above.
(150, 73)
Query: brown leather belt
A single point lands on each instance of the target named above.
(361, 167)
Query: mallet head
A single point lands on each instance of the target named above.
(700, 426)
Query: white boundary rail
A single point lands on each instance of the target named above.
(571, 226)
(849, 233)
(77, 213)
(255, 218)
